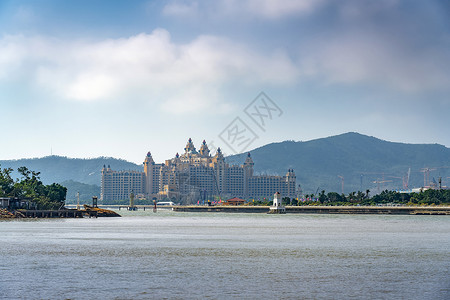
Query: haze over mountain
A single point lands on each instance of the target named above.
(360, 159)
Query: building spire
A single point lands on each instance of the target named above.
(190, 148)
(249, 160)
(148, 158)
(204, 151)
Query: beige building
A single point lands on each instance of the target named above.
(195, 176)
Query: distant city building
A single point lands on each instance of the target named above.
(192, 177)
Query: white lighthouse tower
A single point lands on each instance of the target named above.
(277, 207)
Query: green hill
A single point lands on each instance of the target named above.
(60, 168)
(360, 159)
(86, 191)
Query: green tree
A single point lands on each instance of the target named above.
(31, 187)
(6, 182)
(322, 197)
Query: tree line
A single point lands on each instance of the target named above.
(428, 197)
(30, 187)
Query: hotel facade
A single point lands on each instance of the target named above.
(192, 177)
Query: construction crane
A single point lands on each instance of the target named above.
(368, 175)
(405, 179)
(342, 182)
(402, 178)
(426, 175)
(381, 181)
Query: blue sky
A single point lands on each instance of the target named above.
(120, 78)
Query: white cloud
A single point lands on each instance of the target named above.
(192, 100)
(179, 9)
(274, 9)
(149, 63)
(376, 59)
(265, 9)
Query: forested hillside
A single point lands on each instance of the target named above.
(364, 162)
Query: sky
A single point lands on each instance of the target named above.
(85, 79)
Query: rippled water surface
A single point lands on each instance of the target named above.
(177, 255)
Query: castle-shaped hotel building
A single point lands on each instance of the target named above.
(193, 176)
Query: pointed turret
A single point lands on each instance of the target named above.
(249, 160)
(104, 169)
(248, 173)
(204, 151)
(219, 154)
(149, 159)
(176, 160)
(290, 173)
(291, 180)
(190, 147)
(149, 164)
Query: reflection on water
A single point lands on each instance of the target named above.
(217, 255)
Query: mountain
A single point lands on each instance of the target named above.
(86, 191)
(360, 159)
(78, 175)
(60, 168)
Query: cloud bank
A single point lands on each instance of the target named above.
(355, 49)
(264, 9)
(148, 63)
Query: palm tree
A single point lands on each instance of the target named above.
(351, 196)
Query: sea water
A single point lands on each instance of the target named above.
(175, 255)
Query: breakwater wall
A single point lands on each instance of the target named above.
(389, 210)
(222, 208)
(64, 213)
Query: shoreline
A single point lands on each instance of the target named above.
(386, 210)
(380, 210)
